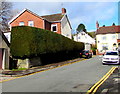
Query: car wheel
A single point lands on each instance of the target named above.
(91, 56)
(88, 57)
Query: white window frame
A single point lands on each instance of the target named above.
(53, 26)
(104, 38)
(31, 22)
(113, 37)
(21, 23)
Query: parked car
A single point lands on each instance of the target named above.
(86, 54)
(110, 57)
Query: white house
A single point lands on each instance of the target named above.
(107, 37)
(85, 38)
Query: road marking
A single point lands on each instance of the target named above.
(101, 81)
(7, 80)
(42, 71)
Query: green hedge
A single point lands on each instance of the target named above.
(30, 41)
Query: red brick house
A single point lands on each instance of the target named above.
(58, 23)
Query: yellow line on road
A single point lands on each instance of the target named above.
(40, 71)
(101, 81)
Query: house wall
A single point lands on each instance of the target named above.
(58, 27)
(87, 46)
(118, 40)
(65, 28)
(47, 25)
(83, 37)
(119, 36)
(106, 40)
(6, 53)
(27, 16)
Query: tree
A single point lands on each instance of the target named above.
(113, 24)
(5, 15)
(80, 27)
(103, 25)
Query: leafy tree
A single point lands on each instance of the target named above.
(103, 25)
(5, 15)
(113, 24)
(81, 27)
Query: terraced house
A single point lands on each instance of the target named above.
(107, 37)
(58, 23)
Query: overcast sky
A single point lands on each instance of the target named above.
(106, 12)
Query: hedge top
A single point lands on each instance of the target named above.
(30, 41)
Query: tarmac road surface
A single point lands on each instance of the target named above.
(76, 77)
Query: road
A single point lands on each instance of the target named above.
(76, 77)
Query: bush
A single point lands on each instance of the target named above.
(93, 48)
(29, 42)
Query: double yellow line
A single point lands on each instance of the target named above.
(100, 82)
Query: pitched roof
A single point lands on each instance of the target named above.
(108, 30)
(53, 17)
(50, 18)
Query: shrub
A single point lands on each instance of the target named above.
(93, 48)
(30, 42)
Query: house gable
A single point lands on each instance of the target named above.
(27, 16)
(66, 27)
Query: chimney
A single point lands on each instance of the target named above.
(97, 25)
(63, 10)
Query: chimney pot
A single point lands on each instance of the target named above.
(97, 25)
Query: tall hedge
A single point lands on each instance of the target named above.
(30, 41)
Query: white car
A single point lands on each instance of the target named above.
(110, 57)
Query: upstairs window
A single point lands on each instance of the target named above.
(30, 23)
(21, 23)
(113, 37)
(54, 27)
(104, 38)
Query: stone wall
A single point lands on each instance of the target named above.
(27, 63)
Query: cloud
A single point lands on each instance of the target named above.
(62, 0)
(91, 12)
(78, 12)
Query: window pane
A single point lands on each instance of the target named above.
(113, 37)
(104, 38)
(111, 53)
(30, 23)
(54, 28)
(21, 23)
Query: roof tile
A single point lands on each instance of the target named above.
(108, 29)
(53, 17)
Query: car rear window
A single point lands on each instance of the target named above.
(85, 52)
(111, 53)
